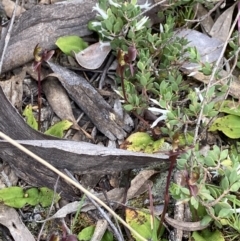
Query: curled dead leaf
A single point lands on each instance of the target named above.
(58, 99)
(9, 7)
(186, 226)
(13, 89)
(93, 56)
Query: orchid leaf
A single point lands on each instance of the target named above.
(59, 128)
(28, 113)
(70, 44)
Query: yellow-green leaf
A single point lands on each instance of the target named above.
(30, 119)
(142, 141)
(141, 222)
(47, 196)
(229, 107)
(207, 235)
(87, 233)
(229, 125)
(17, 197)
(59, 128)
(70, 44)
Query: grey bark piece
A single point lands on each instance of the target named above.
(83, 157)
(44, 24)
(91, 102)
(78, 157)
(9, 217)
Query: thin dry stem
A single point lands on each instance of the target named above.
(69, 180)
(212, 78)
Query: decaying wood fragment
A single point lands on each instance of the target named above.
(43, 25)
(92, 103)
(78, 157)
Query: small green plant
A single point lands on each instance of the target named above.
(55, 130)
(211, 202)
(17, 197)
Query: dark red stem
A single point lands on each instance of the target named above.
(123, 87)
(39, 96)
(172, 159)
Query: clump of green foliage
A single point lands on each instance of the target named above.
(148, 70)
(212, 201)
(149, 61)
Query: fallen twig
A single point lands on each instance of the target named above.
(65, 177)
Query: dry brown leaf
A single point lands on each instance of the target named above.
(13, 89)
(234, 88)
(92, 103)
(93, 56)
(223, 24)
(140, 183)
(208, 48)
(207, 22)
(58, 100)
(10, 219)
(44, 72)
(45, 2)
(9, 5)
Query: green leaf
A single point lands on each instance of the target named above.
(206, 220)
(108, 24)
(69, 44)
(143, 80)
(229, 125)
(185, 190)
(229, 107)
(32, 196)
(194, 202)
(225, 212)
(235, 187)
(118, 26)
(141, 141)
(141, 222)
(225, 183)
(13, 197)
(140, 65)
(224, 154)
(47, 196)
(28, 113)
(162, 103)
(208, 235)
(181, 163)
(233, 177)
(17, 197)
(206, 69)
(128, 107)
(59, 128)
(87, 233)
(209, 161)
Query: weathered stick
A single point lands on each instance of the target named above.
(78, 157)
(44, 24)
